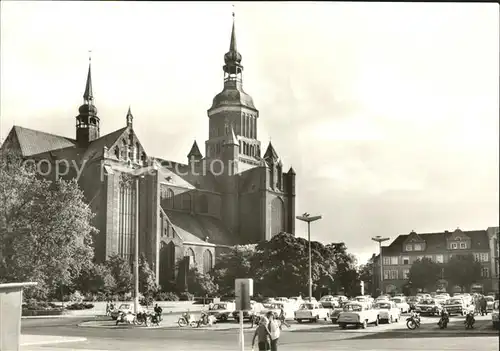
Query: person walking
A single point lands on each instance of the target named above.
(282, 317)
(263, 334)
(274, 331)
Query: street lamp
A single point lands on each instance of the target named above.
(308, 218)
(380, 240)
(136, 246)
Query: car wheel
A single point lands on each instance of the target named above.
(237, 319)
(342, 325)
(299, 320)
(223, 318)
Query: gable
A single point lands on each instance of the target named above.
(458, 235)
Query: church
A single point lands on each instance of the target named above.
(187, 212)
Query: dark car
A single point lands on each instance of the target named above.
(429, 307)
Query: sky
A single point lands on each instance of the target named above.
(388, 112)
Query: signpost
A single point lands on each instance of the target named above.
(362, 283)
(243, 289)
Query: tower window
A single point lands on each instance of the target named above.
(117, 152)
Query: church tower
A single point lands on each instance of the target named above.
(87, 122)
(233, 110)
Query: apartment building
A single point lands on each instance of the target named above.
(439, 247)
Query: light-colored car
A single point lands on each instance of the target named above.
(388, 311)
(428, 307)
(311, 311)
(328, 301)
(456, 305)
(125, 308)
(358, 314)
(494, 315)
(490, 300)
(403, 306)
(222, 310)
(441, 299)
(257, 308)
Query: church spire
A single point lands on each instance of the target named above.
(130, 118)
(88, 96)
(232, 59)
(232, 44)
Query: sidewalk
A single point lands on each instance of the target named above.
(33, 340)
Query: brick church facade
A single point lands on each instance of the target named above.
(188, 212)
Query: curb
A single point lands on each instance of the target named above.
(57, 341)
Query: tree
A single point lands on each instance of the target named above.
(147, 280)
(281, 264)
(200, 284)
(424, 273)
(366, 273)
(346, 277)
(233, 264)
(96, 279)
(121, 272)
(45, 228)
(463, 270)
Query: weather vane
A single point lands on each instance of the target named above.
(90, 55)
(233, 10)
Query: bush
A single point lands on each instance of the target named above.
(167, 296)
(186, 296)
(39, 306)
(76, 297)
(146, 301)
(80, 306)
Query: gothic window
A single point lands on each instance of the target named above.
(117, 152)
(167, 264)
(186, 202)
(207, 261)
(131, 139)
(203, 203)
(280, 175)
(137, 152)
(169, 198)
(277, 216)
(126, 224)
(143, 157)
(192, 257)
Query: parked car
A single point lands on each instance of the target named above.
(222, 310)
(312, 311)
(490, 300)
(334, 314)
(125, 308)
(257, 308)
(401, 303)
(494, 315)
(456, 305)
(428, 307)
(276, 307)
(388, 311)
(358, 314)
(328, 301)
(441, 299)
(413, 301)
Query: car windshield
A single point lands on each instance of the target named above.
(397, 300)
(385, 306)
(454, 301)
(124, 306)
(489, 299)
(219, 306)
(352, 308)
(428, 302)
(326, 298)
(306, 306)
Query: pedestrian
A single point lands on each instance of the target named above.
(263, 334)
(283, 318)
(274, 331)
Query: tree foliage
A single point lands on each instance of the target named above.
(462, 270)
(424, 273)
(366, 273)
(147, 279)
(347, 276)
(122, 274)
(200, 284)
(233, 264)
(96, 279)
(45, 228)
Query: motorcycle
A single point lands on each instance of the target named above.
(205, 320)
(127, 318)
(156, 319)
(444, 320)
(469, 320)
(413, 321)
(186, 319)
(144, 318)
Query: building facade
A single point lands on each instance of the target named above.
(398, 257)
(188, 212)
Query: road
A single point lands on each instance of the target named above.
(322, 338)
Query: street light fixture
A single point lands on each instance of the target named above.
(136, 245)
(380, 240)
(306, 217)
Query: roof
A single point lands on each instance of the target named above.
(271, 155)
(33, 142)
(96, 147)
(438, 241)
(195, 228)
(195, 150)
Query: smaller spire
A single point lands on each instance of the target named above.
(130, 118)
(88, 96)
(271, 155)
(195, 151)
(291, 171)
(232, 45)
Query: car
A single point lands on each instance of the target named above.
(222, 310)
(362, 298)
(312, 311)
(388, 311)
(494, 315)
(125, 308)
(428, 307)
(441, 299)
(403, 306)
(257, 308)
(335, 312)
(382, 298)
(456, 305)
(490, 300)
(358, 314)
(276, 307)
(328, 301)
(413, 301)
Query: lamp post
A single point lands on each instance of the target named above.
(308, 218)
(380, 240)
(136, 245)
